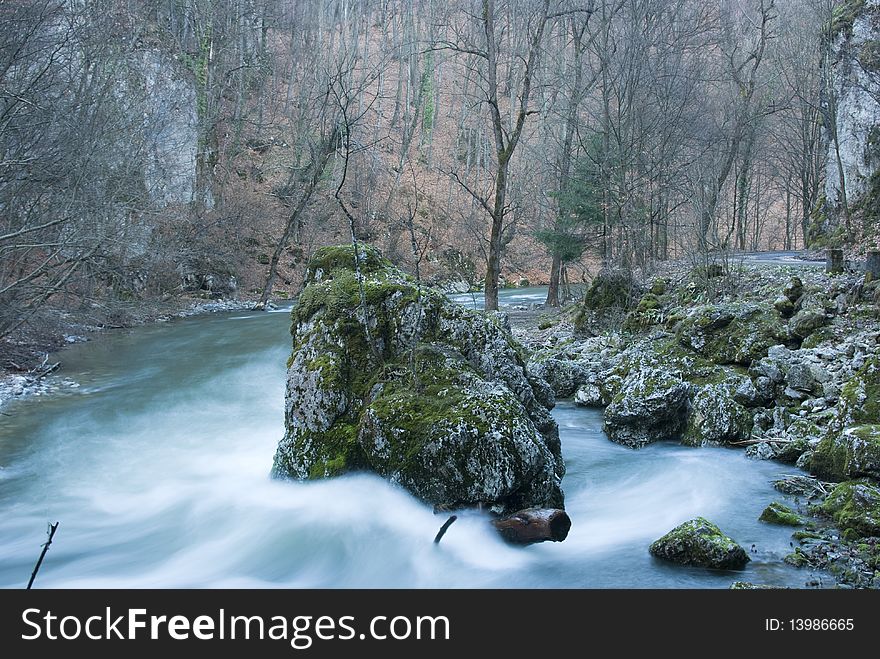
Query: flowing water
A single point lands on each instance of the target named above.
(157, 467)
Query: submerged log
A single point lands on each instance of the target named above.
(534, 525)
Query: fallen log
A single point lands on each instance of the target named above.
(534, 525)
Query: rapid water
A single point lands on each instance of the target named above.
(157, 467)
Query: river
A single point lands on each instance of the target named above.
(157, 463)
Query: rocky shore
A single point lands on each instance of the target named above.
(781, 362)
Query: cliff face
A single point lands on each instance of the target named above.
(169, 127)
(852, 114)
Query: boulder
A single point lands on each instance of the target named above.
(610, 288)
(793, 290)
(806, 321)
(411, 386)
(851, 453)
(731, 333)
(855, 508)
(700, 543)
(651, 405)
(563, 375)
(716, 418)
(590, 395)
(777, 513)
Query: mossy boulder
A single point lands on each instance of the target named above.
(855, 508)
(851, 445)
(700, 543)
(411, 386)
(777, 513)
(851, 453)
(716, 417)
(860, 397)
(610, 288)
(732, 333)
(811, 317)
(650, 405)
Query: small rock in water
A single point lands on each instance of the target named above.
(700, 543)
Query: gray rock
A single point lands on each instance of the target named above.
(746, 393)
(650, 406)
(806, 321)
(469, 426)
(716, 418)
(589, 395)
(700, 543)
(563, 375)
(765, 389)
(800, 378)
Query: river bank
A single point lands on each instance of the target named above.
(25, 359)
(780, 362)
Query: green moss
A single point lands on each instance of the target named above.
(336, 257)
(844, 15)
(777, 513)
(851, 453)
(818, 337)
(855, 507)
(806, 535)
(797, 558)
(733, 333)
(860, 397)
(608, 290)
(648, 302)
(699, 542)
(659, 286)
(547, 324)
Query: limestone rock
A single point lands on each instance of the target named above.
(716, 418)
(855, 507)
(700, 543)
(650, 406)
(422, 391)
(732, 333)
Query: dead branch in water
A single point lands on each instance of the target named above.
(444, 528)
(51, 532)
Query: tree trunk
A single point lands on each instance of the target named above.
(553, 288)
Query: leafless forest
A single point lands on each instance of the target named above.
(150, 148)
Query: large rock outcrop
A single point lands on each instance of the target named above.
(429, 394)
(853, 158)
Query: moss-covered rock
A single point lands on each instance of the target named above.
(811, 317)
(610, 288)
(855, 508)
(851, 445)
(650, 406)
(860, 396)
(716, 418)
(700, 543)
(851, 453)
(414, 387)
(777, 513)
(732, 333)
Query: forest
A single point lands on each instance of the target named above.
(153, 148)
